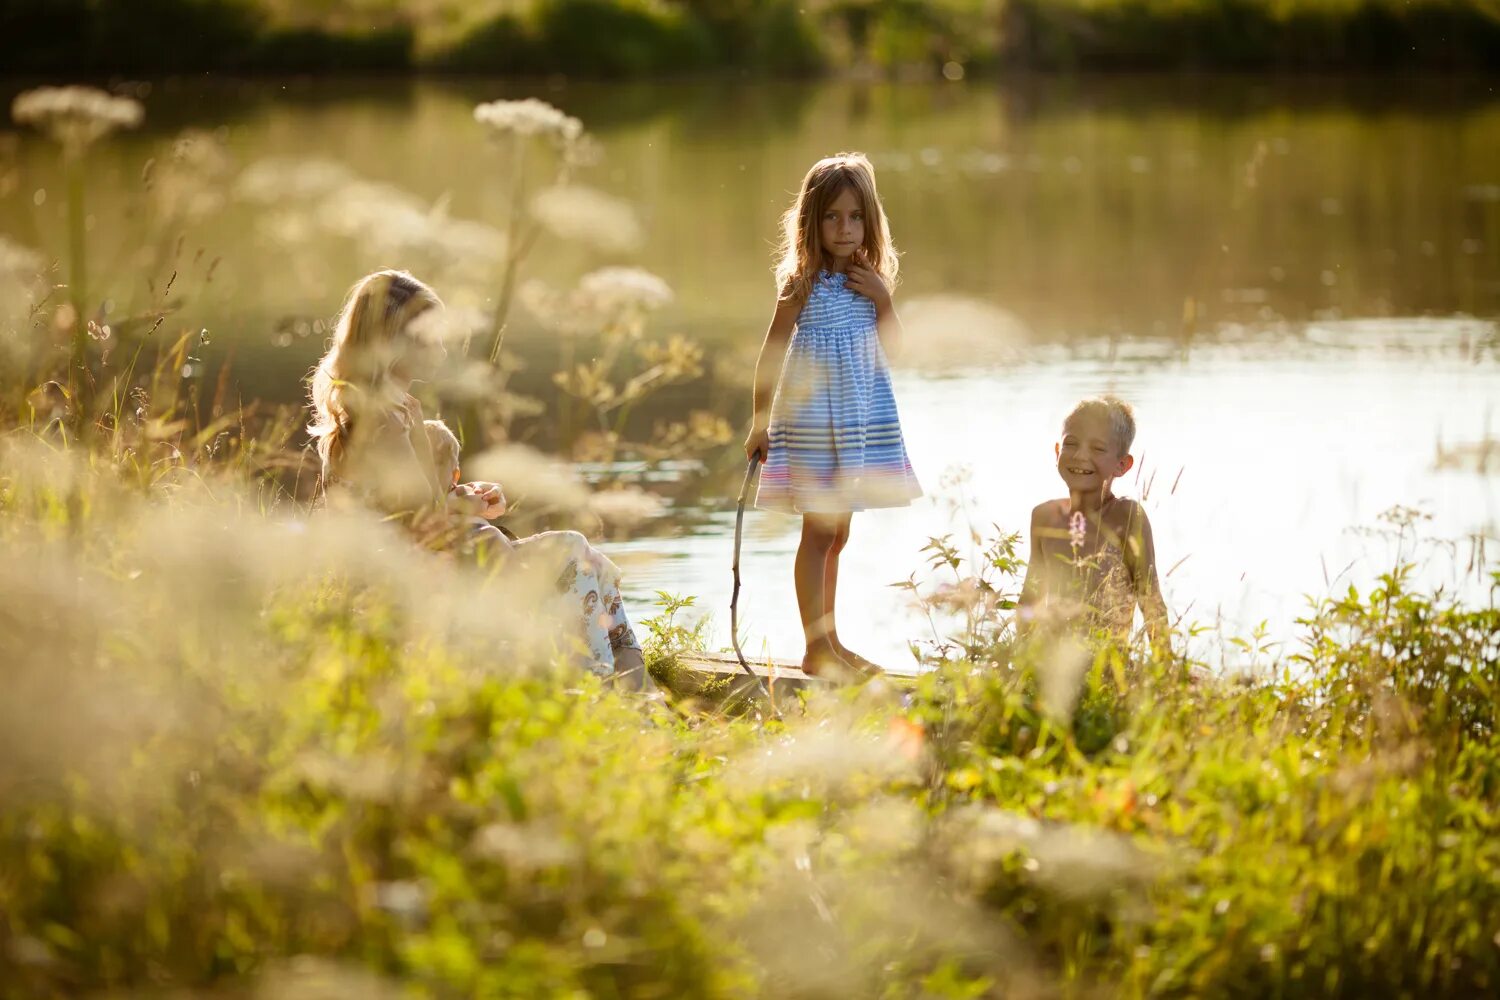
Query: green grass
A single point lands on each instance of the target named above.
(243, 750)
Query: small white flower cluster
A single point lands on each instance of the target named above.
(575, 212)
(76, 116)
(21, 284)
(628, 507)
(625, 288)
(191, 181)
(279, 178)
(387, 222)
(19, 263)
(603, 298)
(530, 117)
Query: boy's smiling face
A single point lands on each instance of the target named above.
(1088, 458)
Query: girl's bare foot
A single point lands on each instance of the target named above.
(857, 663)
(825, 663)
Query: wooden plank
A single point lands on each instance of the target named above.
(727, 665)
(719, 675)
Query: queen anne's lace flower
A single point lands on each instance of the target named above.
(534, 118)
(276, 180)
(190, 183)
(310, 197)
(18, 263)
(575, 212)
(76, 116)
(625, 288)
(529, 117)
(602, 298)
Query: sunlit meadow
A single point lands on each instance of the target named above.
(253, 748)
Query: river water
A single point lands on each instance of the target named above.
(1295, 284)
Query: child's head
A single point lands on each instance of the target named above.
(445, 451)
(836, 214)
(375, 338)
(1095, 445)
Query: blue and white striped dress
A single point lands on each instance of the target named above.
(836, 444)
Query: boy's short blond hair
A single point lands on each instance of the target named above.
(445, 450)
(1116, 412)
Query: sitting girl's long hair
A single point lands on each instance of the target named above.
(367, 340)
(800, 253)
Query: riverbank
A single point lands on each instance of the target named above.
(633, 39)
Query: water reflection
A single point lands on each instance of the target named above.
(1084, 209)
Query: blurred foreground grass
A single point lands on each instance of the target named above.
(245, 752)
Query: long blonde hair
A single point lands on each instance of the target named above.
(366, 343)
(800, 252)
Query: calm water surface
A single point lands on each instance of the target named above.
(1263, 471)
(1296, 286)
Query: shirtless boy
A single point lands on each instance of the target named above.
(1092, 558)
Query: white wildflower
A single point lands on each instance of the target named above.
(276, 180)
(190, 184)
(626, 508)
(76, 116)
(200, 151)
(468, 240)
(625, 289)
(1074, 860)
(575, 212)
(603, 298)
(552, 308)
(529, 117)
(545, 482)
(945, 332)
(391, 219)
(386, 222)
(21, 284)
(18, 263)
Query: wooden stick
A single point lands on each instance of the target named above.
(734, 600)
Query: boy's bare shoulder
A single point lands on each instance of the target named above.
(1050, 512)
(1125, 511)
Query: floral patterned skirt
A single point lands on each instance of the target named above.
(588, 592)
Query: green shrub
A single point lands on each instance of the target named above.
(131, 36)
(1246, 35)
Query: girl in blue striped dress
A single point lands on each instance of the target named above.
(825, 421)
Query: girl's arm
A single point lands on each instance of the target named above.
(768, 372)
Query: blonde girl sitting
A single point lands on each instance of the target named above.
(377, 448)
